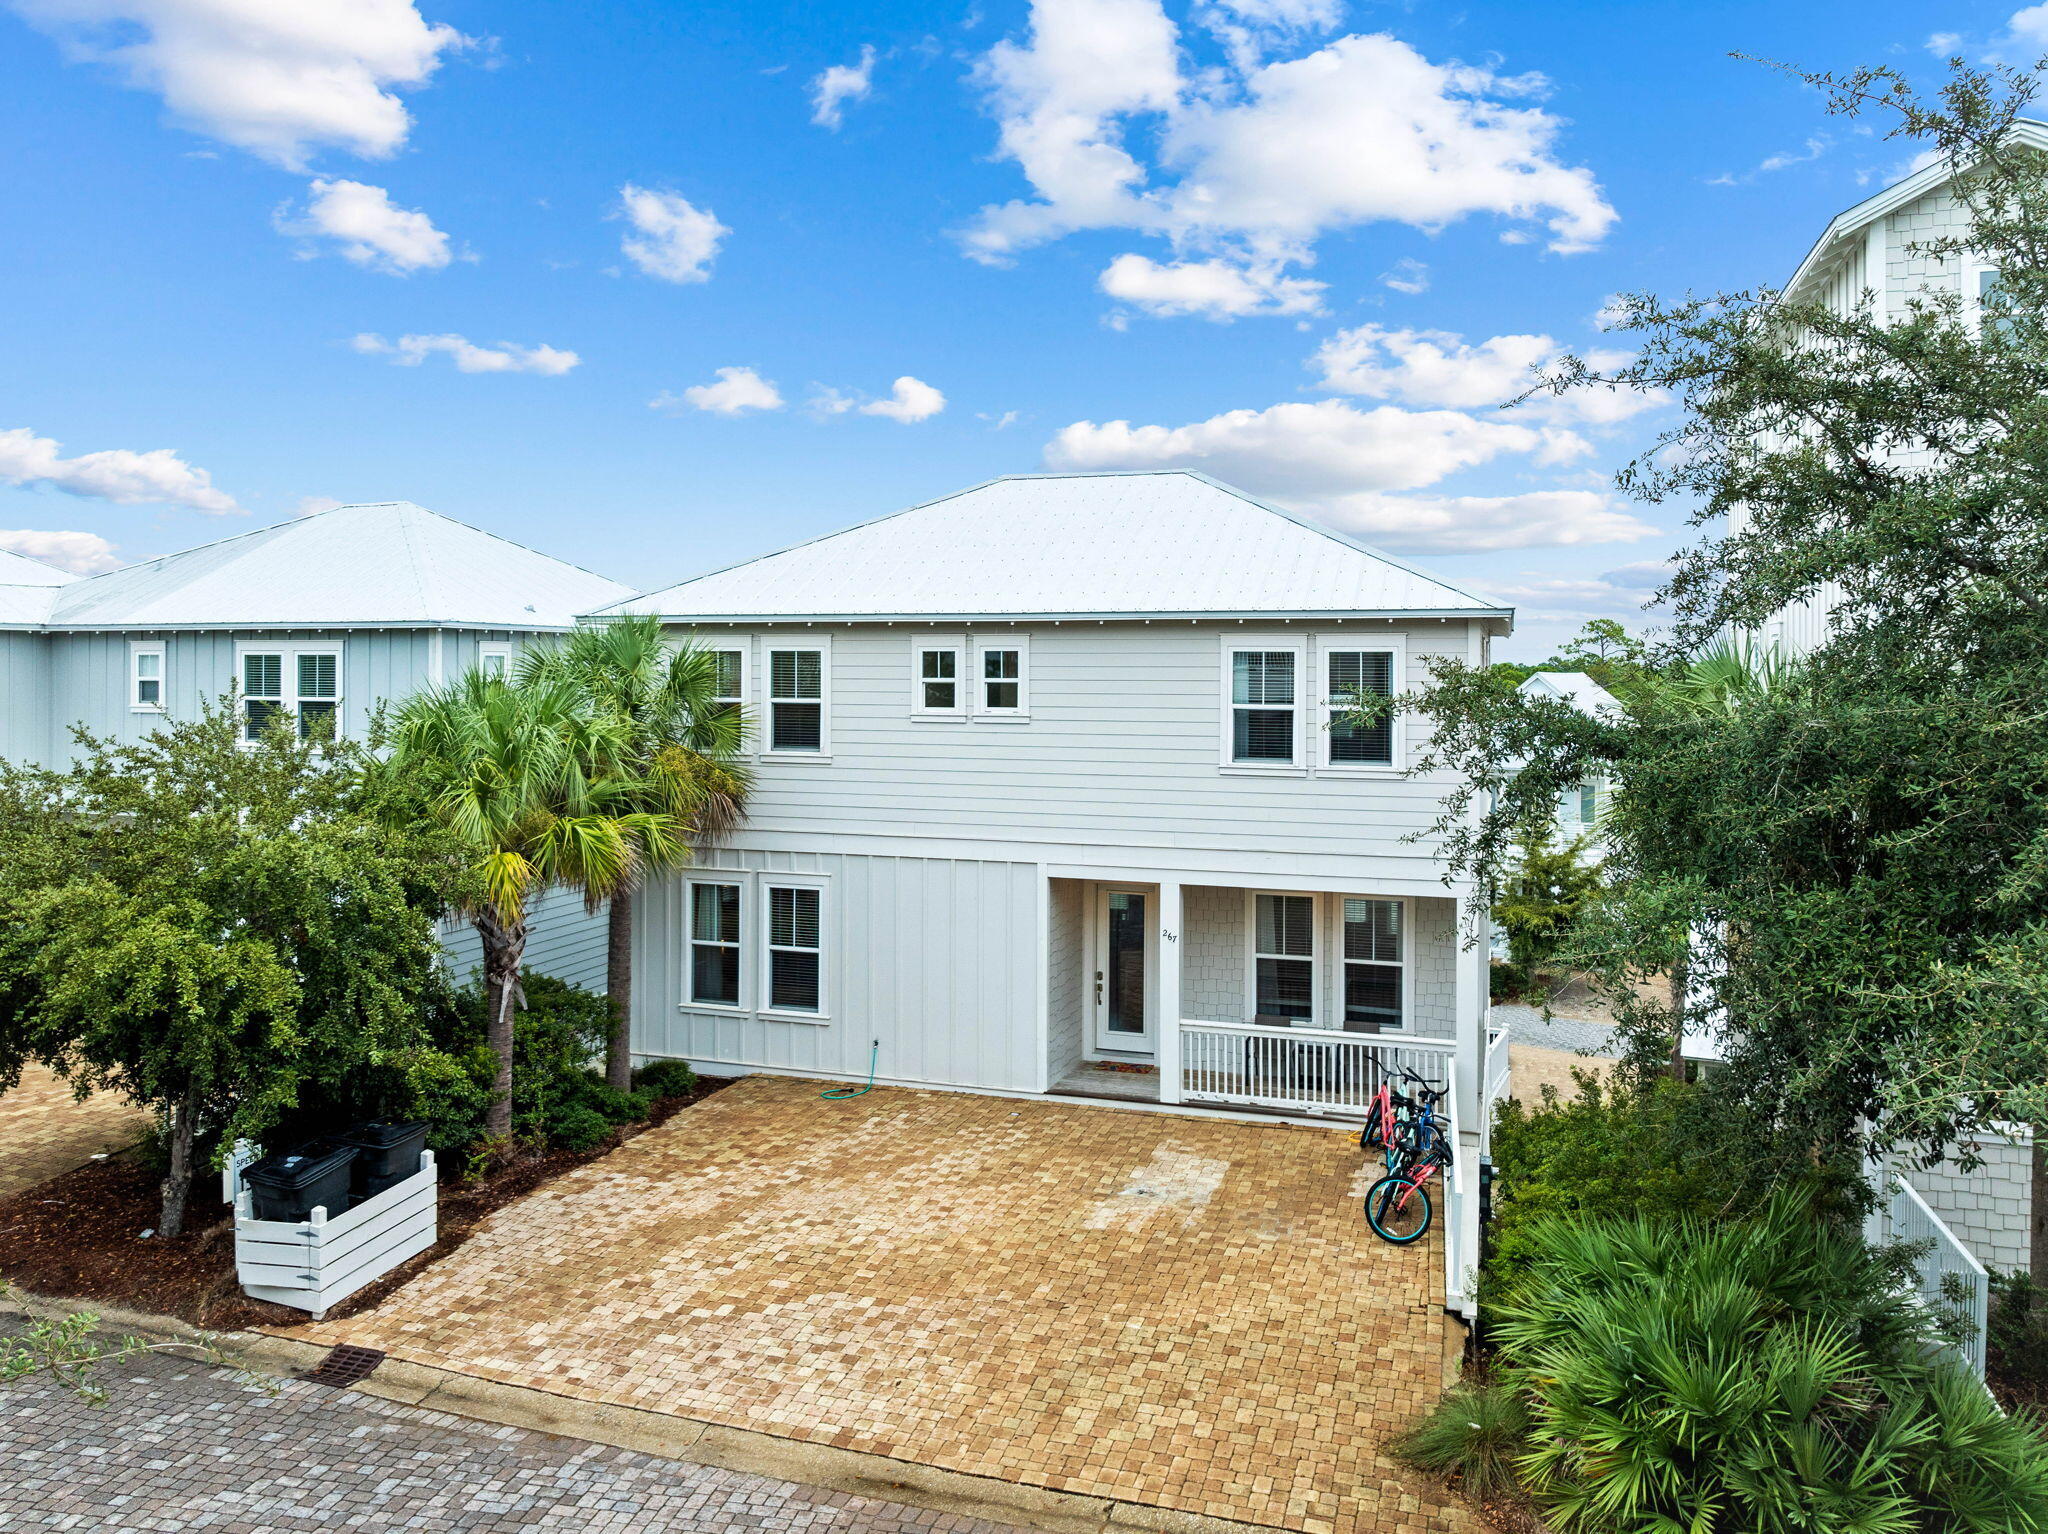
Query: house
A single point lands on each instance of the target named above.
(320, 619)
(1058, 792)
(1578, 809)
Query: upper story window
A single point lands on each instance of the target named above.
(146, 678)
(1283, 958)
(1001, 675)
(1374, 974)
(797, 702)
(938, 690)
(1264, 689)
(305, 684)
(1354, 678)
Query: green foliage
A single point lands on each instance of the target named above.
(2017, 1335)
(1766, 1374)
(1472, 1438)
(1543, 893)
(70, 1351)
(1604, 650)
(666, 1078)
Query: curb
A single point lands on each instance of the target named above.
(685, 1439)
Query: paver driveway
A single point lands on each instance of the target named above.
(1186, 1313)
(45, 1130)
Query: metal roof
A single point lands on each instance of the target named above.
(20, 570)
(376, 565)
(1577, 689)
(1150, 543)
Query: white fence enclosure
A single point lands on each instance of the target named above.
(1941, 1264)
(314, 1263)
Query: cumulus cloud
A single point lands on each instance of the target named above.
(736, 391)
(1434, 367)
(1260, 159)
(835, 87)
(1214, 289)
(468, 356)
(119, 475)
(1453, 524)
(672, 238)
(80, 553)
(1622, 591)
(910, 400)
(1407, 275)
(278, 80)
(369, 227)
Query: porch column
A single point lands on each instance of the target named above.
(1169, 991)
(1462, 1249)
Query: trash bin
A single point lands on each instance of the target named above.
(292, 1184)
(386, 1154)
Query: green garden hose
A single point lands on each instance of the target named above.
(841, 1094)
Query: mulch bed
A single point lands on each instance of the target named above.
(78, 1236)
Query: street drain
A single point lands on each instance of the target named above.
(344, 1366)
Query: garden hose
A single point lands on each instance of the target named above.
(841, 1094)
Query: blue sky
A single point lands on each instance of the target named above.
(264, 255)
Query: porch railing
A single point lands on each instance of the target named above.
(1944, 1270)
(1301, 1070)
(1498, 1075)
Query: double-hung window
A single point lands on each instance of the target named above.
(715, 944)
(494, 660)
(729, 678)
(305, 684)
(1373, 971)
(1360, 725)
(318, 698)
(1001, 679)
(796, 700)
(938, 685)
(146, 678)
(262, 692)
(796, 981)
(1283, 958)
(1264, 682)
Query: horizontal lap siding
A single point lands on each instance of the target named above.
(938, 958)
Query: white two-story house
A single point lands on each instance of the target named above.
(1060, 791)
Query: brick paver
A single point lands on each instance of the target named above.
(44, 1130)
(180, 1447)
(1187, 1313)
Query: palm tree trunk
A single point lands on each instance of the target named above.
(618, 984)
(177, 1190)
(504, 951)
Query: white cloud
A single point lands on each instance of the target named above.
(1259, 160)
(278, 79)
(2027, 26)
(313, 505)
(1944, 43)
(835, 87)
(371, 230)
(672, 239)
(737, 391)
(1216, 290)
(80, 553)
(1407, 275)
(1623, 591)
(1814, 148)
(468, 356)
(1455, 524)
(1434, 367)
(910, 400)
(120, 475)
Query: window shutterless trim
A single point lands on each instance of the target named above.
(938, 669)
(1329, 705)
(1313, 958)
(138, 651)
(1002, 671)
(737, 946)
(287, 691)
(501, 654)
(769, 948)
(821, 646)
(1402, 963)
(1234, 645)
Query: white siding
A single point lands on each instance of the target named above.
(1066, 977)
(24, 697)
(563, 940)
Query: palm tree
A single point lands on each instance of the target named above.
(532, 782)
(682, 746)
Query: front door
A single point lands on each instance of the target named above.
(1123, 988)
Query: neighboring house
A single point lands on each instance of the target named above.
(1054, 774)
(320, 619)
(1578, 809)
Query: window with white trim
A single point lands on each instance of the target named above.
(715, 944)
(1000, 679)
(795, 948)
(262, 692)
(938, 690)
(146, 678)
(305, 684)
(1355, 676)
(1265, 686)
(1375, 987)
(796, 700)
(318, 699)
(1283, 958)
(494, 660)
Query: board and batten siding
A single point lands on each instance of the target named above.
(939, 959)
(1122, 748)
(563, 940)
(24, 697)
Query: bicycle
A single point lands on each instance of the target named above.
(1400, 1126)
(1398, 1207)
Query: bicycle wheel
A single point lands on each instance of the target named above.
(1397, 1210)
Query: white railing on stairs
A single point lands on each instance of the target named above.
(1942, 1265)
(1494, 1082)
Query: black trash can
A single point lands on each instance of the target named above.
(386, 1154)
(292, 1184)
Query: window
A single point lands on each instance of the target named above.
(314, 698)
(262, 693)
(937, 686)
(795, 981)
(1262, 706)
(1372, 965)
(1589, 802)
(715, 944)
(1352, 677)
(494, 660)
(1000, 667)
(146, 678)
(796, 700)
(319, 694)
(1283, 958)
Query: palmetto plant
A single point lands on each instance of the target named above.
(666, 731)
(541, 790)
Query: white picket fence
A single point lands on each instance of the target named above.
(314, 1263)
(1942, 1264)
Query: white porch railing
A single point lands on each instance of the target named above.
(1902, 1215)
(1497, 1077)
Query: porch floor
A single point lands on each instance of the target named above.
(1093, 1078)
(1175, 1312)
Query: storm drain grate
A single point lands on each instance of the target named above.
(346, 1365)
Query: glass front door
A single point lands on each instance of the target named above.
(1122, 954)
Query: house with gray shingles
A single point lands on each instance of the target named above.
(1060, 790)
(320, 620)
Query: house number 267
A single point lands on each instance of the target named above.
(1169, 935)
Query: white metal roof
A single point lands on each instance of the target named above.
(1577, 689)
(1142, 544)
(20, 570)
(381, 564)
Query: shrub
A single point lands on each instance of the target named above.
(666, 1078)
(1472, 1438)
(1769, 1373)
